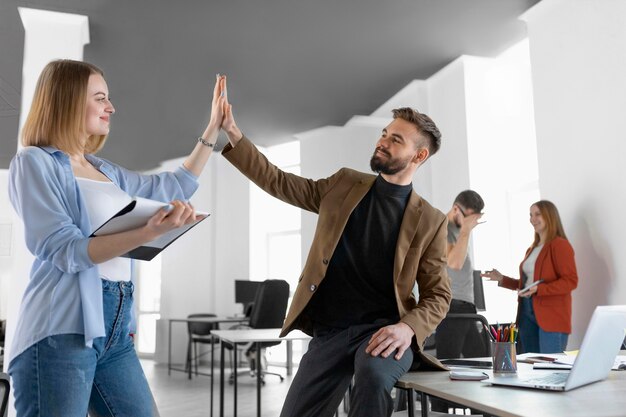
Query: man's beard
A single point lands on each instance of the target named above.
(390, 166)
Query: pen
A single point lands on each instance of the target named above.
(489, 333)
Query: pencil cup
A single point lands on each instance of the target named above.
(503, 356)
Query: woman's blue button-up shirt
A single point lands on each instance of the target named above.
(64, 294)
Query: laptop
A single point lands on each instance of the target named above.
(593, 363)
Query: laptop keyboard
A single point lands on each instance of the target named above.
(550, 379)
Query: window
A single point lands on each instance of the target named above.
(148, 304)
(275, 226)
(503, 167)
(275, 236)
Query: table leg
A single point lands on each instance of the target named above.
(235, 365)
(212, 366)
(289, 357)
(222, 380)
(258, 379)
(169, 349)
(424, 402)
(411, 402)
(189, 354)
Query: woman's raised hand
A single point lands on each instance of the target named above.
(493, 275)
(217, 103)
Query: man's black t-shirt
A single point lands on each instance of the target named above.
(358, 286)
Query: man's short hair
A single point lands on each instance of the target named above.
(471, 200)
(424, 124)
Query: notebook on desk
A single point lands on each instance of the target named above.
(593, 363)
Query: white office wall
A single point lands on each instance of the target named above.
(578, 63)
(199, 270)
(446, 106)
(324, 151)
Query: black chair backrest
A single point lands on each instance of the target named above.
(5, 388)
(479, 293)
(270, 305)
(480, 322)
(199, 328)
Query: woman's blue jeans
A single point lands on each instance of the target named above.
(60, 376)
(532, 337)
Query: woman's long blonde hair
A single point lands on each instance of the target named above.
(554, 226)
(57, 114)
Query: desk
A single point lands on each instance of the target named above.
(198, 320)
(256, 336)
(606, 398)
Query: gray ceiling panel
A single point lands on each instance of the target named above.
(292, 65)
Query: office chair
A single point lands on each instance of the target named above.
(5, 389)
(199, 333)
(268, 312)
(481, 343)
(483, 349)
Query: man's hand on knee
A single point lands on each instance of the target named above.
(390, 338)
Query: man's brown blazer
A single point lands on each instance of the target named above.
(420, 251)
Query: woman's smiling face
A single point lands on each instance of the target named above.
(99, 108)
(536, 219)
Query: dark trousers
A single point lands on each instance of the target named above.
(454, 339)
(333, 358)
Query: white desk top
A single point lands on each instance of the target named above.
(257, 335)
(221, 319)
(606, 398)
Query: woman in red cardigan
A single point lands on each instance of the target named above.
(544, 312)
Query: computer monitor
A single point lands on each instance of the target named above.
(479, 293)
(245, 291)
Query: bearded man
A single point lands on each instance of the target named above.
(375, 239)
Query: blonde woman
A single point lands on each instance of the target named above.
(544, 313)
(72, 352)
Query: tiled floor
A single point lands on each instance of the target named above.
(177, 396)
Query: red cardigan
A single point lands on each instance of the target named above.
(552, 302)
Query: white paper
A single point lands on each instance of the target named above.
(136, 214)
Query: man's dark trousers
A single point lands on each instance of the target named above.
(327, 368)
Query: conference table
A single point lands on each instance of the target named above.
(605, 398)
(256, 336)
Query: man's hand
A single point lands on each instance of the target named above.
(228, 123)
(470, 221)
(389, 338)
